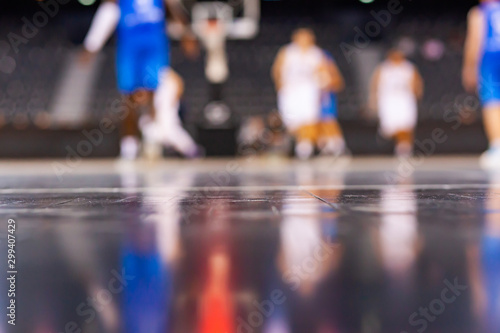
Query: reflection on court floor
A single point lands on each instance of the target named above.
(266, 246)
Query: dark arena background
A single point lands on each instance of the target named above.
(38, 107)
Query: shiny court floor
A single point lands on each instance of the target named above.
(242, 246)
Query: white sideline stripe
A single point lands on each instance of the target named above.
(159, 190)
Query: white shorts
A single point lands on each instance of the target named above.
(397, 114)
(299, 106)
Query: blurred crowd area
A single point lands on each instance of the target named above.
(431, 33)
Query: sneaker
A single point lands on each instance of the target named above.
(152, 151)
(490, 159)
(199, 152)
(304, 150)
(129, 148)
(333, 147)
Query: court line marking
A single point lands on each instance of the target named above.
(153, 190)
(331, 204)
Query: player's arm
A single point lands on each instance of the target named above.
(372, 98)
(277, 68)
(177, 12)
(337, 80)
(180, 25)
(102, 27)
(418, 84)
(472, 52)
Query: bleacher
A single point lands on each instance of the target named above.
(28, 91)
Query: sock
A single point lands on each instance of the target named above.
(304, 150)
(495, 144)
(129, 147)
(334, 146)
(404, 149)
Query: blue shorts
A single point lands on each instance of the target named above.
(489, 79)
(328, 106)
(140, 60)
(147, 295)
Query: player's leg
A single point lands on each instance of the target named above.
(151, 65)
(404, 142)
(491, 118)
(167, 104)
(167, 86)
(489, 91)
(126, 72)
(150, 129)
(300, 112)
(131, 133)
(387, 127)
(306, 136)
(179, 139)
(331, 140)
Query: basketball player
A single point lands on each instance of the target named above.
(143, 53)
(166, 128)
(396, 86)
(481, 69)
(297, 76)
(331, 137)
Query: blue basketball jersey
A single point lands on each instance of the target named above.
(491, 12)
(142, 15)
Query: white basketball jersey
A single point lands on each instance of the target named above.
(396, 80)
(301, 67)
